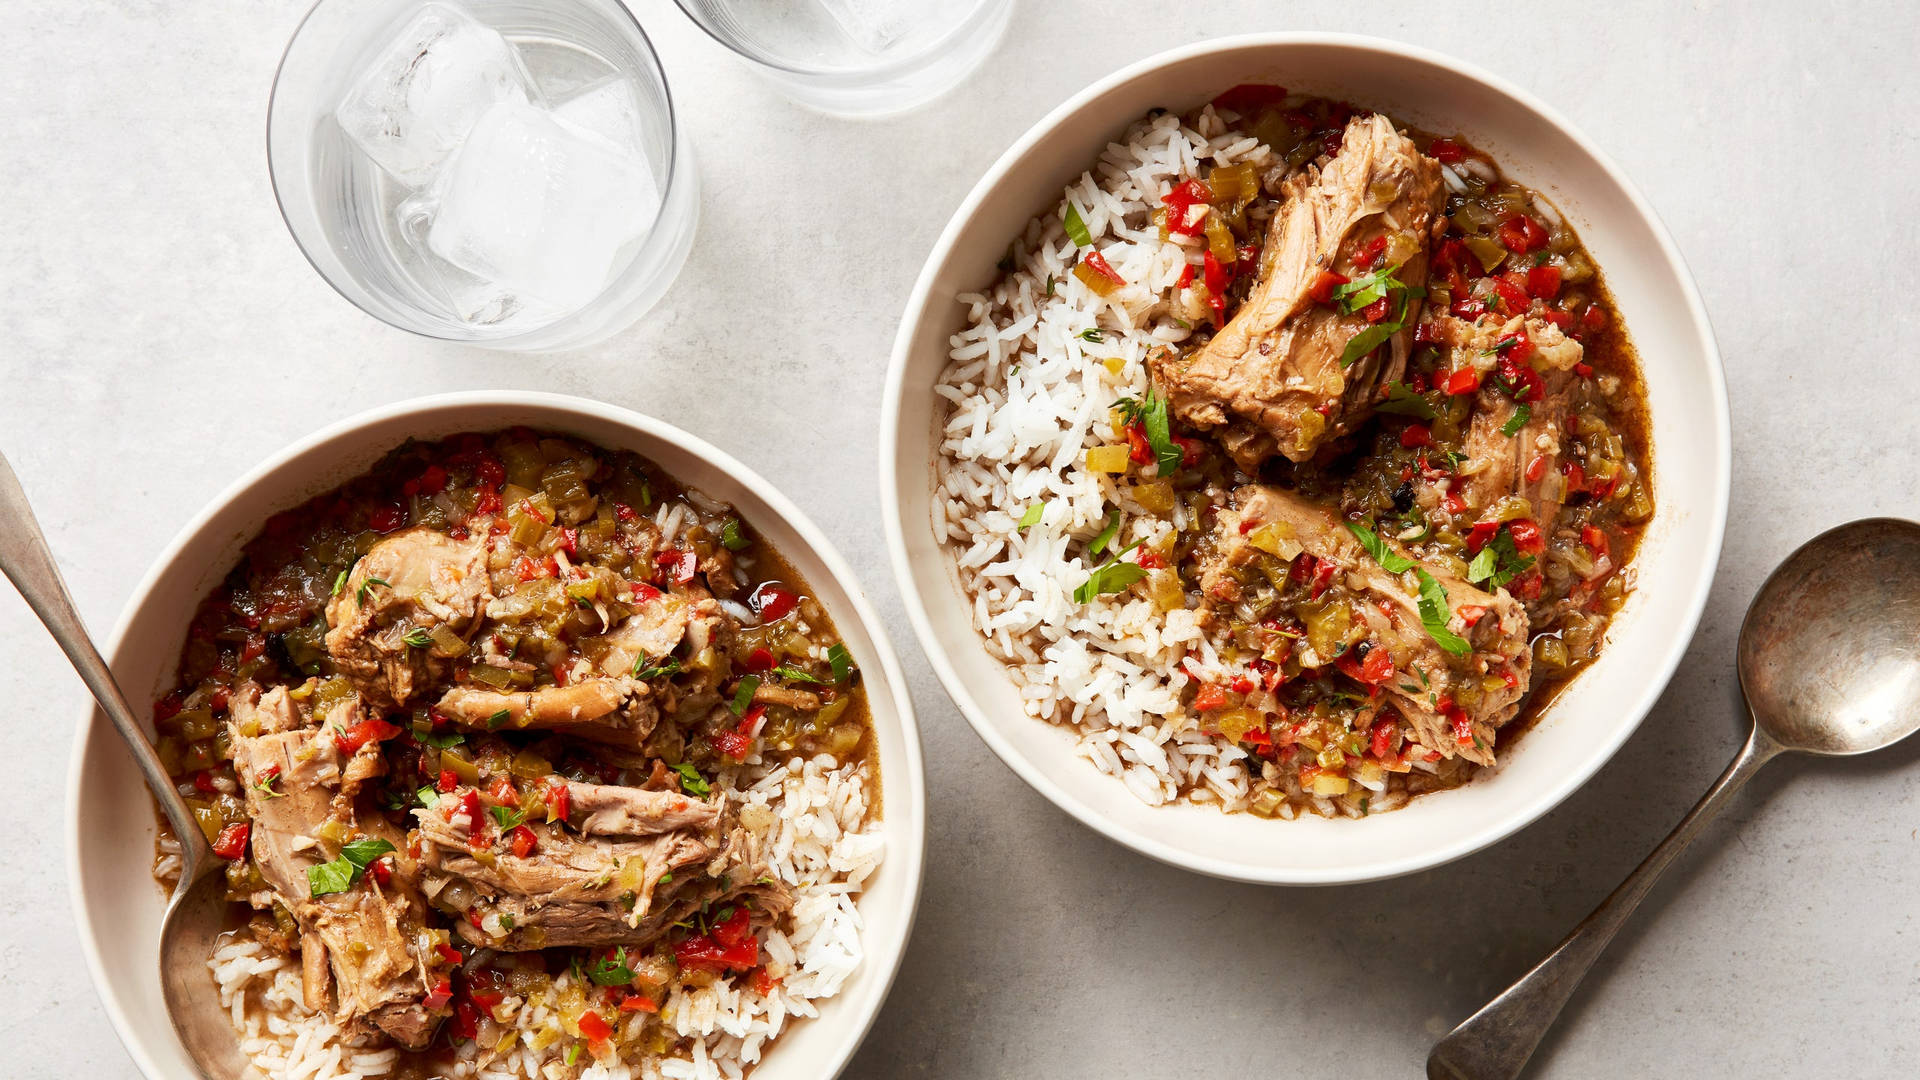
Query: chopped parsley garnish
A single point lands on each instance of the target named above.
(499, 720)
(1434, 614)
(1390, 560)
(1401, 399)
(1150, 413)
(1032, 516)
(1498, 563)
(1521, 414)
(730, 537)
(692, 782)
(1500, 347)
(743, 694)
(1092, 334)
(1111, 576)
(428, 797)
(794, 674)
(340, 874)
(611, 970)
(507, 820)
(842, 661)
(642, 669)
(339, 583)
(1106, 535)
(419, 639)
(360, 597)
(1076, 228)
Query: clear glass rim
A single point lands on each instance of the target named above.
(518, 339)
(748, 52)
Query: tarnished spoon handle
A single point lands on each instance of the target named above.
(25, 560)
(1495, 1043)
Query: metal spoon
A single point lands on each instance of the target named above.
(1829, 661)
(196, 914)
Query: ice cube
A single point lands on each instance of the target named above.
(532, 205)
(427, 88)
(609, 109)
(874, 25)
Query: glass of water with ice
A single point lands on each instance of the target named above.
(505, 173)
(858, 58)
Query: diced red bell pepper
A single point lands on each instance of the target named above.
(1595, 540)
(1576, 476)
(1521, 234)
(381, 870)
(595, 1027)
(1150, 560)
(1582, 369)
(1375, 311)
(1511, 297)
(1380, 745)
(1536, 469)
(764, 982)
(1215, 275)
(370, 730)
(447, 782)
(678, 566)
(441, 993)
(1481, 534)
(466, 1020)
(759, 660)
(1463, 381)
(503, 791)
(490, 472)
(524, 841)
(773, 602)
(570, 541)
(1472, 613)
(1592, 319)
(1209, 697)
(639, 1003)
(1192, 451)
(448, 953)
(1139, 451)
(1186, 277)
(387, 518)
(1322, 288)
(1180, 200)
(1097, 262)
(1377, 668)
(1526, 536)
(526, 569)
(203, 780)
(1248, 98)
(1446, 151)
(729, 946)
(1453, 503)
(1369, 256)
(1520, 351)
(1323, 576)
(487, 502)
(1416, 435)
(559, 799)
(232, 841)
(1544, 281)
(1466, 307)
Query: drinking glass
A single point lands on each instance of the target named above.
(345, 212)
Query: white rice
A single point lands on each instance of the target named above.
(818, 839)
(1029, 395)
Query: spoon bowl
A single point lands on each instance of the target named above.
(1829, 661)
(1829, 656)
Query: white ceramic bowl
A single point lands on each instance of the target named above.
(1690, 430)
(116, 902)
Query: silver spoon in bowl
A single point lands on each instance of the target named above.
(1829, 661)
(196, 915)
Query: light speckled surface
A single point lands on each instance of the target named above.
(161, 334)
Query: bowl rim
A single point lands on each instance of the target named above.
(883, 960)
(919, 306)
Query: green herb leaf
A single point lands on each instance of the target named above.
(1434, 614)
(1159, 431)
(1498, 563)
(1106, 535)
(1111, 576)
(644, 670)
(419, 639)
(340, 874)
(360, 597)
(268, 782)
(1051, 282)
(1076, 228)
(1521, 414)
(1032, 516)
(428, 797)
(730, 537)
(611, 970)
(1401, 399)
(339, 583)
(1366, 341)
(1391, 561)
(1093, 335)
(507, 819)
(794, 674)
(692, 782)
(499, 720)
(842, 662)
(743, 694)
